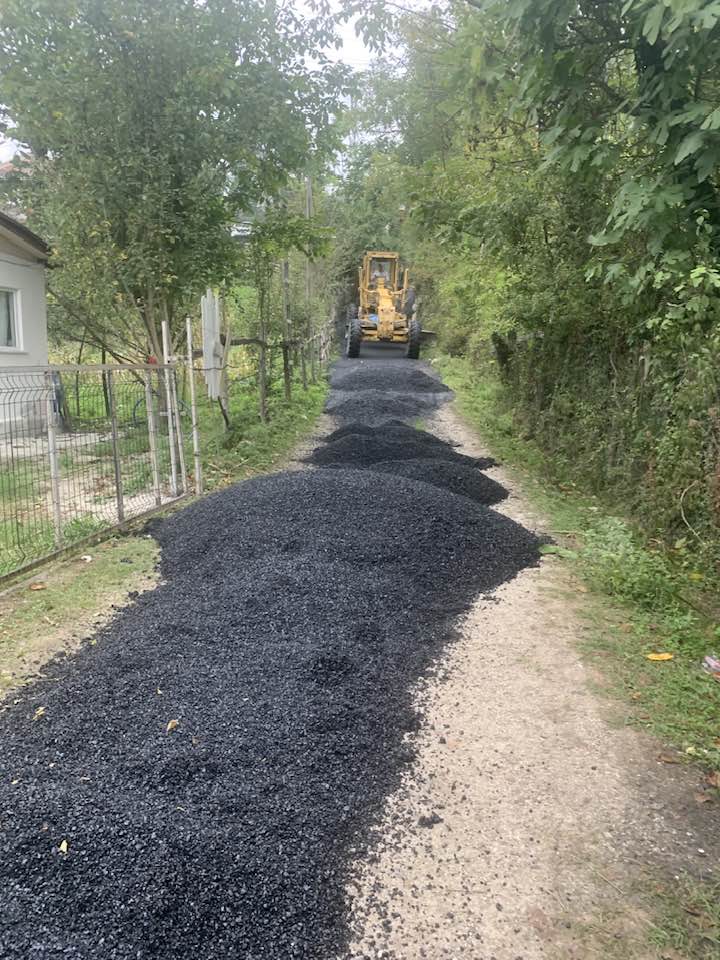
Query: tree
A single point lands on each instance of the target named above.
(628, 89)
(562, 165)
(153, 125)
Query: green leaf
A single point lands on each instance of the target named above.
(690, 144)
(706, 164)
(712, 121)
(653, 22)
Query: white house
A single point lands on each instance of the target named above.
(23, 320)
(23, 332)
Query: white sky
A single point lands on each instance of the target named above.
(7, 149)
(353, 51)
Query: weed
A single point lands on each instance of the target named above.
(658, 608)
(690, 913)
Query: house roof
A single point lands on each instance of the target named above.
(23, 236)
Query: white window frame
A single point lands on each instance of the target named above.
(17, 317)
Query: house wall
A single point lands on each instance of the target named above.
(19, 272)
(23, 395)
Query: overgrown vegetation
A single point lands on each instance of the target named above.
(150, 130)
(661, 606)
(252, 446)
(551, 171)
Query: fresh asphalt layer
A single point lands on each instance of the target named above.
(199, 779)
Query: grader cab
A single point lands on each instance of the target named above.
(385, 312)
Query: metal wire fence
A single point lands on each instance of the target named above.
(84, 449)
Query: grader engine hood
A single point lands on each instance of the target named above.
(386, 315)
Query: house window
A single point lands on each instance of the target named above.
(8, 318)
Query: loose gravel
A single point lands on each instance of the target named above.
(392, 430)
(395, 375)
(376, 406)
(196, 782)
(455, 477)
(361, 449)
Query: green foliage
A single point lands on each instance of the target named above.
(152, 126)
(625, 569)
(251, 446)
(660, 597)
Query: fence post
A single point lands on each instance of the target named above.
(152, 437)
(178, 429)
(287, 378)
(175, 407)
(193, 410)
(54, 460)
(169, 407)
(287, 331)
(115, 450)
(311, 347)
(303, 366)
(262, 382)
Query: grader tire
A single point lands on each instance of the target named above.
(354, 337)
(410, 303)
(413, 346)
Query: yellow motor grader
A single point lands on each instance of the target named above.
(385, 312)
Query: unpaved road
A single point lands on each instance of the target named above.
(350, 722)
(530, 819)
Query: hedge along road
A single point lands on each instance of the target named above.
(201, 779)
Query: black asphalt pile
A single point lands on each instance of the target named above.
(401, 377)
(455, 477)
(377, 406)
(398, 432)
(392, 430)
(368, 429)
(360, 449)
(197, 783)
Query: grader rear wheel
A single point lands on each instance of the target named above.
(413, 345)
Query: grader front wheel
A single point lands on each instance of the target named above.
(354, 337)
(413, 346)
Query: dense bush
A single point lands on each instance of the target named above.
(551, 172)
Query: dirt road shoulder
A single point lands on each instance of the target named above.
(533, 824)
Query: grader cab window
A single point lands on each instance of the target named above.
(382, 270)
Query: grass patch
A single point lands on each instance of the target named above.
(662, 602)
(250, 446)
(37, 623)
(32, 541)
(691, 919)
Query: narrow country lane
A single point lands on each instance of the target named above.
(350, 722)
(198, 782)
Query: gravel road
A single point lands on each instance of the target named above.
(200, 779)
